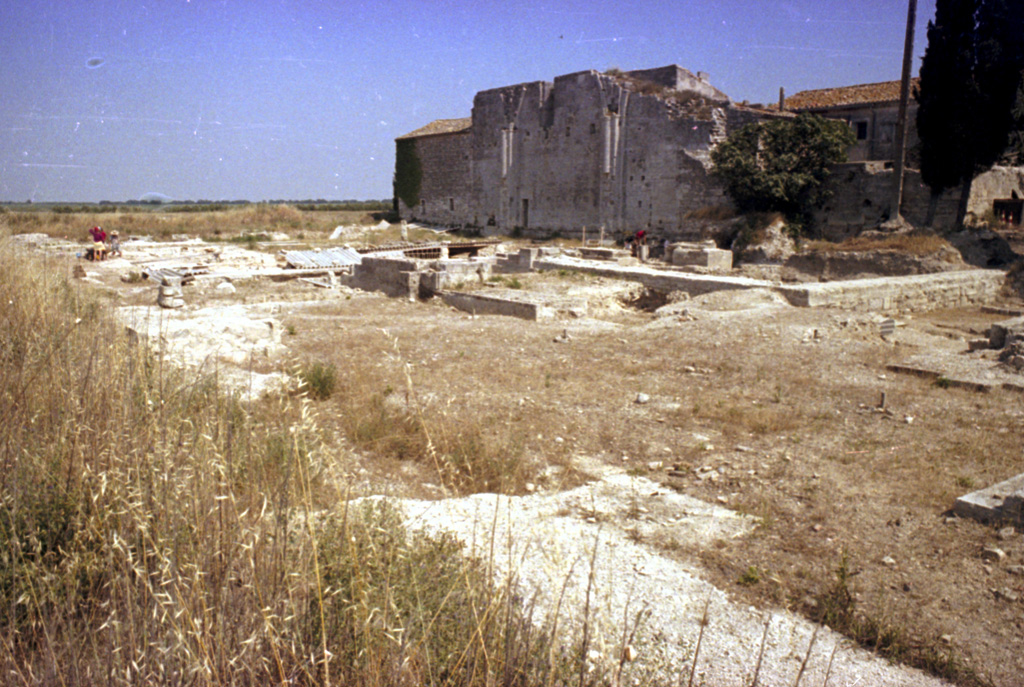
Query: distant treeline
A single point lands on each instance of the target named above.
(201, 206)
(365, 205)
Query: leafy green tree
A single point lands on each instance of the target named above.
(970, 76)
(782, 165)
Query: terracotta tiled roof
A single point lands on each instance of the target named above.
(863, 94)
(440, 126)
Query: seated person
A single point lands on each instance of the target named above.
(99, 249)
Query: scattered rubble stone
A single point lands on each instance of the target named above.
(993, 555)
(1006, 594)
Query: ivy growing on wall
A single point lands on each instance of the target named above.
(408, 172)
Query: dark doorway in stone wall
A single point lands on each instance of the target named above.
(1008, 210)
(526, 213)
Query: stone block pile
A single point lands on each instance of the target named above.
(704, 254)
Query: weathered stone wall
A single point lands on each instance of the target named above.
(861, 193)
(444, 190)
(484, 304)
(586, 150)
(915, 293)
(446, 274)
(614, 151)
(999, 183)
(675, 77)
(395, 277)
(409, 278)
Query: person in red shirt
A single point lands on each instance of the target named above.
(99, 248)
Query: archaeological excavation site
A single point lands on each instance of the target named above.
(675, 443)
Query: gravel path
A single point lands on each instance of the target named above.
(548, 541)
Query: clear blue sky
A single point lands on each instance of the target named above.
(294, 99)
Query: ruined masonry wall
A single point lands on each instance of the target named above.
(861, 192)
(482, 304)
(916, 293)
(396, 278)
(545, 158)
(444, 191)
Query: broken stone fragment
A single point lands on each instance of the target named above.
(170, 296)
(993, 554)
(1006, 594)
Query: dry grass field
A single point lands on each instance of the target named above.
(744, 413)
(766, 409)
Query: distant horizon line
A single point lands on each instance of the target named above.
(273, 201)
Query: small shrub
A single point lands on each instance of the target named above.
(318, 380)
(750, 577)
(965, 482)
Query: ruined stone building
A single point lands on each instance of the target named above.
(622, 151)
(861, 187)
(870, 109)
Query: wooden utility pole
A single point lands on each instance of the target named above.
(901, 123)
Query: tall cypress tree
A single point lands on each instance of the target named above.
(947, 94)
(969, 80)
(1000, 61)
(1015, 154)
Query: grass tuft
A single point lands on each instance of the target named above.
(836, 607)
(319, 380)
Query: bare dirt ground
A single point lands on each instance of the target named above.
(735, 399)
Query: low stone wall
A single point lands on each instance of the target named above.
(398, 278)
(914, 293)
(701, 255)
(412, 279)
(446, 274)
(659, 280)
(517, 263)
(486, 304)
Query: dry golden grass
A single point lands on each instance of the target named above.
(921, 244)
(793, 427)
(212, 225)
(157, 530)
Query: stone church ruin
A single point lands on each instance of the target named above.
(616, 150)
(605, 154)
